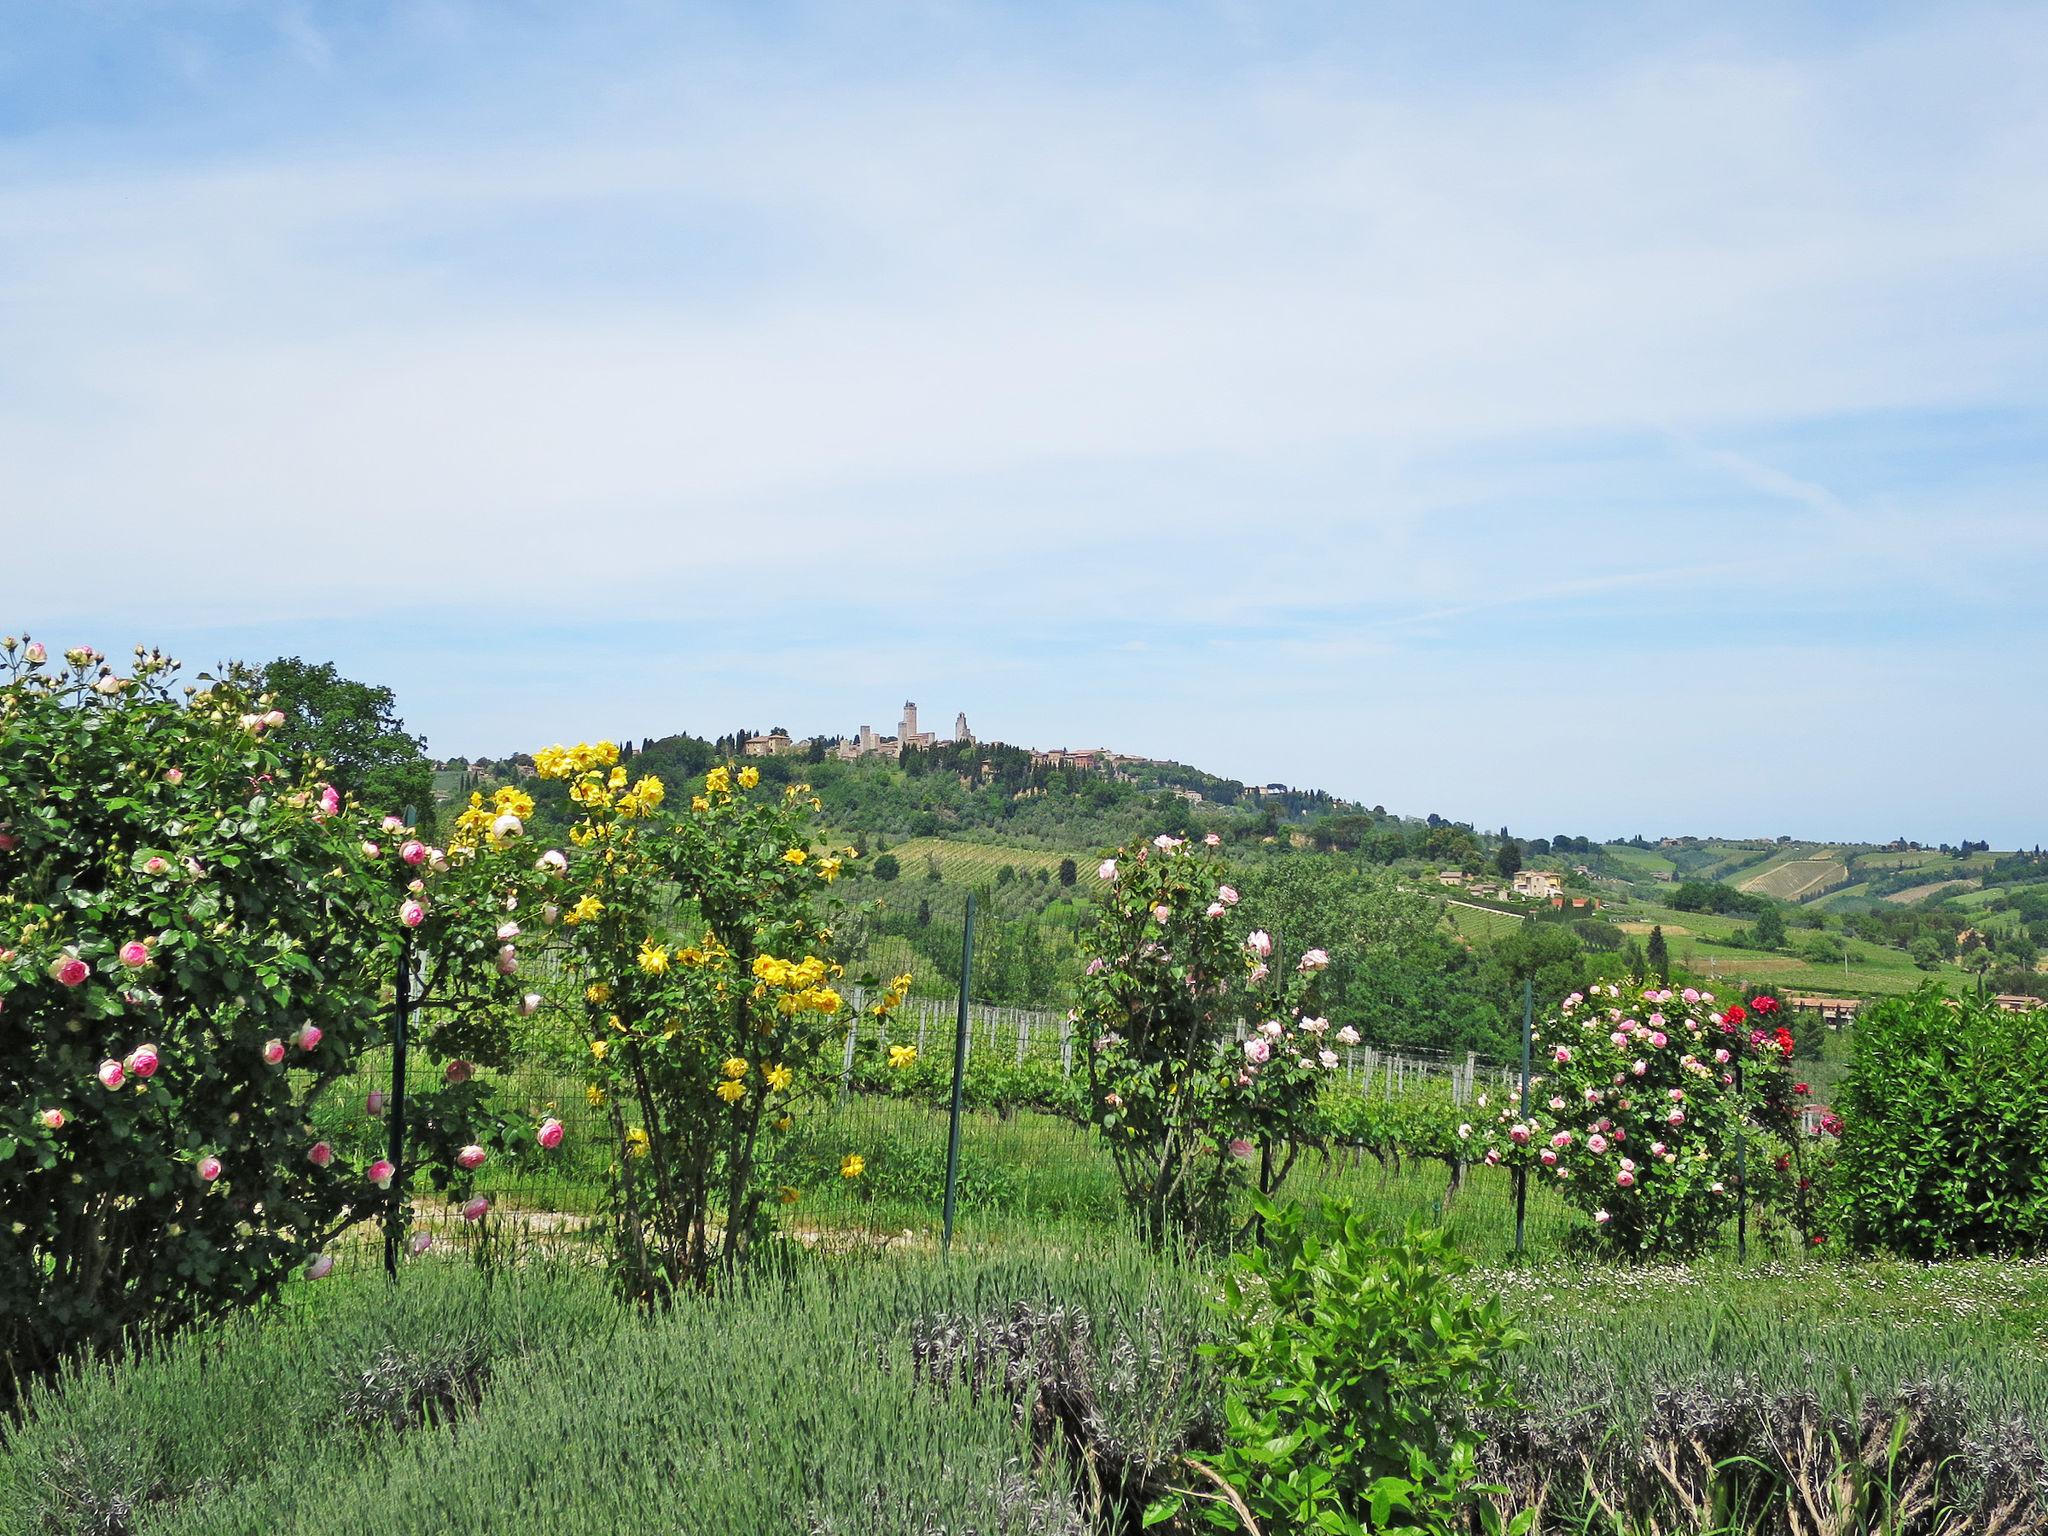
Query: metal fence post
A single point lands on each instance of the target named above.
(1741, 1172)
(959, 1078)
(1522, 1168)
(401, 1028)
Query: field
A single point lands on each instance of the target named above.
(1873, 970)
(975, 864)
(1913, 893)
(1480, 924)
(1796, 879)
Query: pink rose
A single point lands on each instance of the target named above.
(273, 1051)
(1464, 1133)
(155, 865)
(1258, 1050)
(1162, 914)
(1272, 1029)
(550, 1134)
(1547, 1157)
(371, 850)
(274, 718)
(474, 1209)
(1347, 1036)
(1519, 1135)
(1316, 960)
(321, 1267)
(1240, 1148)
(412, 851)
(1211, 840)
(1215, 909)
(1259, 973)
(1625, 1179)
(393, 824)
(529, 1005)
(411, 913)
(1676, 1117)
(209, 1168)
(35, 653)
(330, 801)
(379, 1173)
(1227, 895)
(320, 1154)
(507, 932)
(1562, 1054)
(195, 869)
(142, 1061)
(52, 1118)
(69, 970)
(553, 862)
(420, 1243)
(470, 1157)
(1259, 943)
(1602, 1218)
(458, 1071)
(1596, 1144)
(309, 1036)
(508, 961)
(373, 1103)
(112, 1074)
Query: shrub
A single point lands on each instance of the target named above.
(1641, 1111)
(1182, 1105)
(712, 1042)
(1942, 1113)
(1356, 1368)
(196, 939)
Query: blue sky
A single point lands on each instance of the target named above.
(1596, 419)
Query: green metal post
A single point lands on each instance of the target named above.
(959, 1077)
(401, 1030)
(1741, 1172)
(1522, 1169)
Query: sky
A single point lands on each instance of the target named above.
(1589, 419)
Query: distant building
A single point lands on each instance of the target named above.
(1538, 883)
(774, 744)
(2018, 1002)
(960, 731)
(908, 735)
(1450, 877)
(1834, 1011)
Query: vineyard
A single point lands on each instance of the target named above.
(973, 864)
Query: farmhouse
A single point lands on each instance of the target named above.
(1538, 883)
(1833, 1011)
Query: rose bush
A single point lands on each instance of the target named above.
(1639, 1109)
(1189, 1112)
(197, 938)
(700, 1045)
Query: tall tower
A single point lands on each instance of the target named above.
(907, 731)
(960, 731)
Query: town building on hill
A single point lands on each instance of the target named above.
(774, 744)
(960, 731)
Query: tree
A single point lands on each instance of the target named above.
(1509, 859)
(1658, 954)
(1067, 872)
(354, 729)
(888, 867)
(1769, 929)
(1926, 951)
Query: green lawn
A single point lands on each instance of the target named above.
(969, 863)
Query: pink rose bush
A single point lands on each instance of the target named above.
(1191, 1113)
(187, 967)
(1638, 1114)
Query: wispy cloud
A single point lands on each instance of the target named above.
(1156, 388)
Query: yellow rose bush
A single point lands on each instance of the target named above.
(712, 999)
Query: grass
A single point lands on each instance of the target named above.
(1874, 970)
(526, 1399)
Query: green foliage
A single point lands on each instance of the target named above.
(194, 945)
(1182, 1106)
(349, 733)
(1641, 1109)
(1942, 1150)
(1356, 1368)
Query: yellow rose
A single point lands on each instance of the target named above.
(778, 1078)
(902, 1055)
(749, 777)
(854, 1166)
(795, 856)
(735, 1067)
(789, 1195)
(732, 1093)
(653, 958)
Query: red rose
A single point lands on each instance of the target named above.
(1735, 1015)
(1764, 1003)
(1784, 1038)
(1801, 1088)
